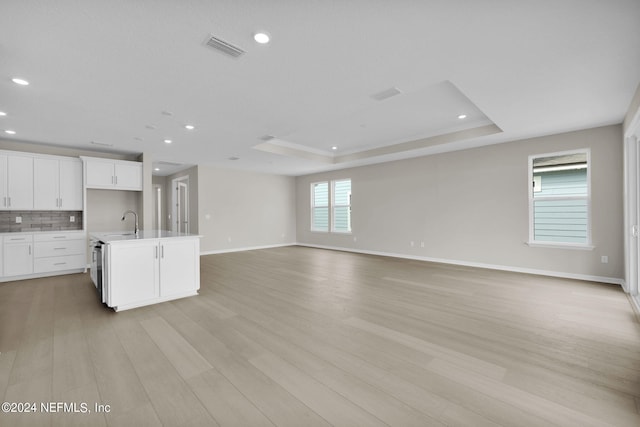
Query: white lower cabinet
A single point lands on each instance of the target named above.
(148, 271)
(18, 255)
(59, 252)
(26, 256)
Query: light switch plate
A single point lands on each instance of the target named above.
(18, 220)
(72, 218)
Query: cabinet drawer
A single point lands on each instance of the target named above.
(21, 238)
(59, 263)
(56, 237)
(55, 249)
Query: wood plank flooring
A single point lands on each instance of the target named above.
(297, 336)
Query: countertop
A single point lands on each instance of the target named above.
(125, 236)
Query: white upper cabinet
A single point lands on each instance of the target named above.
(113, 174)
(71, 185)
(57, 184)
(16, 182)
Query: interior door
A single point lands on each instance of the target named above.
(182, 217)
(157, 207)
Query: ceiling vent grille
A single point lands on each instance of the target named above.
(386, 94)
(224, 46)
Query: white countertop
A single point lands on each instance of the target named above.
(125, 236)
(17, 233)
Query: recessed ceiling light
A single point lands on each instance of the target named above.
(189, 127)
(168, 141)
(2, 113)
(10, 132)
(150, 127)
(262, 38)
(156, 169)
(462, 116)
(167, 113)
(20, 81)
(334, 148)
(234, 158)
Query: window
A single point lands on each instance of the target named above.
(559, 199)
(320, 206)
(334, 199)
(341, 206)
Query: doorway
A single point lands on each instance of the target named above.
(157, 207)
(632, 209)
(180, 203)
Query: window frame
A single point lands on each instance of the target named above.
(530, 191)
(312, 188)
(334, 206)
(331, 205)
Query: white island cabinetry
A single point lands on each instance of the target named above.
(154, 267)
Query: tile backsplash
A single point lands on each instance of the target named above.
(39, 221)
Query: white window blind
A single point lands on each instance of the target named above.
(320, 206)
(342, 206)
(560, 198)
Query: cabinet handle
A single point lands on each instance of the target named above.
(112, 180)
(4, 202)
(59, 249)
(60, 263)
(116, 179)
(9, 199)
(155, 251)
(162, 251)
(18, 238)
(59, 237)
(60, 201)
(29, 249)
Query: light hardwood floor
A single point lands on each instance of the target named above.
(307, 337)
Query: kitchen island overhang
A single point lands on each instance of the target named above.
(149, 267)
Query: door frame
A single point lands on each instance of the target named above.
(175, 215)
(632, 209)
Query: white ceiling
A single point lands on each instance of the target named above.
(105, 71)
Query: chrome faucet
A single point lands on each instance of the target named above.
(136, 217)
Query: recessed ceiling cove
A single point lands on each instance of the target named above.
(406, 121)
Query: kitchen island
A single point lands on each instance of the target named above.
(146, 268)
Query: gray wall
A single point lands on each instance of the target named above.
(472, 206)
(244, 210)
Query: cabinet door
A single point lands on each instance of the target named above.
(99, 174)
(132, 272)
(20, 182)
(18, 259)
(71, 185)
(129, 175)
(179, 266)
(3, 182)
(45, 184)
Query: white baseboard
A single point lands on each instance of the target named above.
(249, 248)
(564, 275)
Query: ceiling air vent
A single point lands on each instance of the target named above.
(267, 137)
(224, 46)
(161, 163)
(386, 94)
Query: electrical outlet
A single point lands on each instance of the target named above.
(604, 259)
(355, 239)
(422, 244)
(229, 239)
(412, 243)
(72, 218)
(18, 220)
